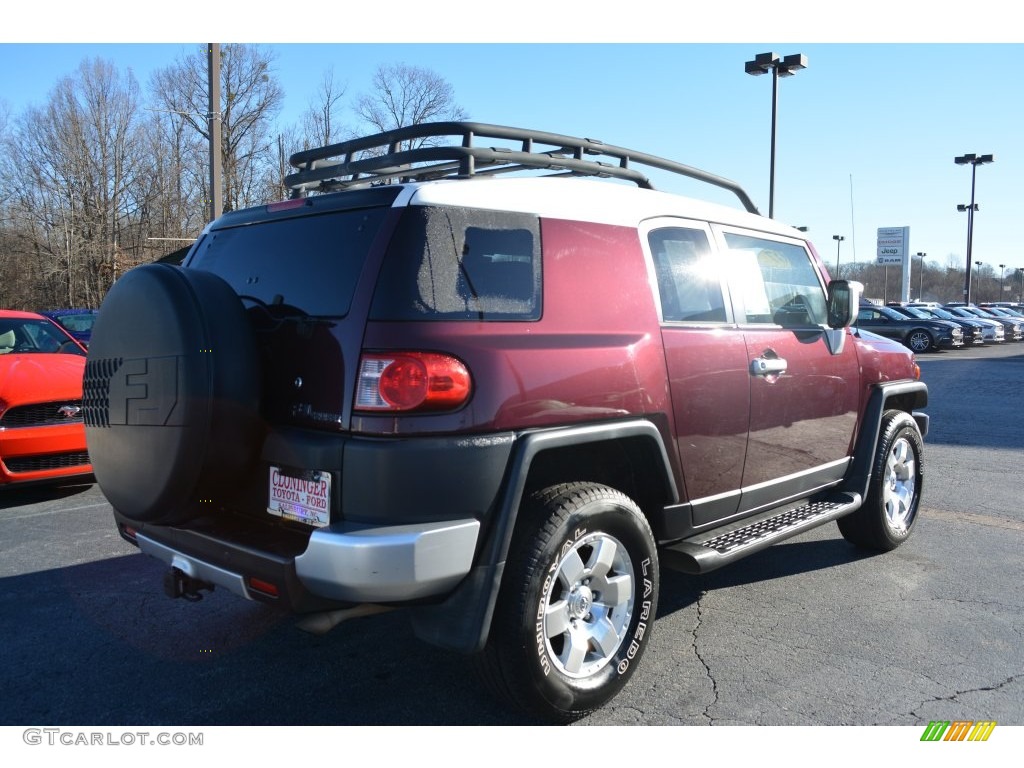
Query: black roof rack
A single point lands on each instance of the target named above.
(380, 158)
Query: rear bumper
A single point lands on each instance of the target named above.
(352, 564)
(407, 519)
(388, 563)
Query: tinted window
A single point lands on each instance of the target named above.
(461, 264)
(311, 263)
(775, 282)
(688, 276)
(77, 323)
(25, 336)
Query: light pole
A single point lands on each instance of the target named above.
(920, 277)
(1020, 296)
(839, 239)
(978, 265)
(1002, 269)
(780, 67)
(974, 161)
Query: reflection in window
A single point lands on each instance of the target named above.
(688, 276)
(775, 281)
(450, 263)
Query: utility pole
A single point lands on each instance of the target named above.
(214, 121)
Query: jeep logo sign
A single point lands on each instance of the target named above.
(144, 392)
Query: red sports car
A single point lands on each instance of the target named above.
(42, 436)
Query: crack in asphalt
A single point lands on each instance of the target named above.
(700, 658)
(955, 696)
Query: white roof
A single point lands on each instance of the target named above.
(579, 199)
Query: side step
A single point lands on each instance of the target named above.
(721, 546)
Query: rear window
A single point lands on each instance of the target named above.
(461, 264)
(310, 263)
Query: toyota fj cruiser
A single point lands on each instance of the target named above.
(442, 379)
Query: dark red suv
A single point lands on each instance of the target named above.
(463, 381)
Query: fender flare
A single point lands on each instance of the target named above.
(462, 622)
(912, 393)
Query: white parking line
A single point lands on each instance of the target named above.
(40, 513)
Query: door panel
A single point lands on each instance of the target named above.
(710, 389)
(804, 417)
(706, 358)
(803, 398)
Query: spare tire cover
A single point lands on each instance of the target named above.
(171, 392)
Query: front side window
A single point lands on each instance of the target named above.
(461, 264)
(775, 282)
(688, 275)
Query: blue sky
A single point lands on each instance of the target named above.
(866, 134)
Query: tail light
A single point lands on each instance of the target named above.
(411, 381)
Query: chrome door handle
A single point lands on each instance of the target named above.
(767, 366)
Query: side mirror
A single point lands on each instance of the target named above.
(843, 302)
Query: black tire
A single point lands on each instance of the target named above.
(583, 562)
(920, 340)
(894, 495)
(171, 392)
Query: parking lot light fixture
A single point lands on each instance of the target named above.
(974, 161)
(787, 66)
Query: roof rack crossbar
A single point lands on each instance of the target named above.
(381, 157)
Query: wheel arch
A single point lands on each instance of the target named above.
(906, 396)
(546, 457)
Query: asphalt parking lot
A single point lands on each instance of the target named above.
(810, 632)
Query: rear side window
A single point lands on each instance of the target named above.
(309, 263)
(688, 277)
(461, 264)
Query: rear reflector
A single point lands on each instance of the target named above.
(411, 381)
(263, 587)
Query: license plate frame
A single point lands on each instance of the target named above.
(303, 496)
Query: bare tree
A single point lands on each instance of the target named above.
(251, 99)
(320, 122)
(74, 164)
(406, 95)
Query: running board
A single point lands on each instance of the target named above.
(721, 546)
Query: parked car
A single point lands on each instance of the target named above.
(1004, 311)
(1014, 306)
(992, 331)
(987, 330)
(921, 335)
(1004, 331)
(42, 437)
(1012, 326)
(77, 322)
(464, 381)
(971, 330)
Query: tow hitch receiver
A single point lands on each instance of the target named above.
(179, 584)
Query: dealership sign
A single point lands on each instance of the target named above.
(892, 244)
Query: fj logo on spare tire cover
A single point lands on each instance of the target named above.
(144, 392)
